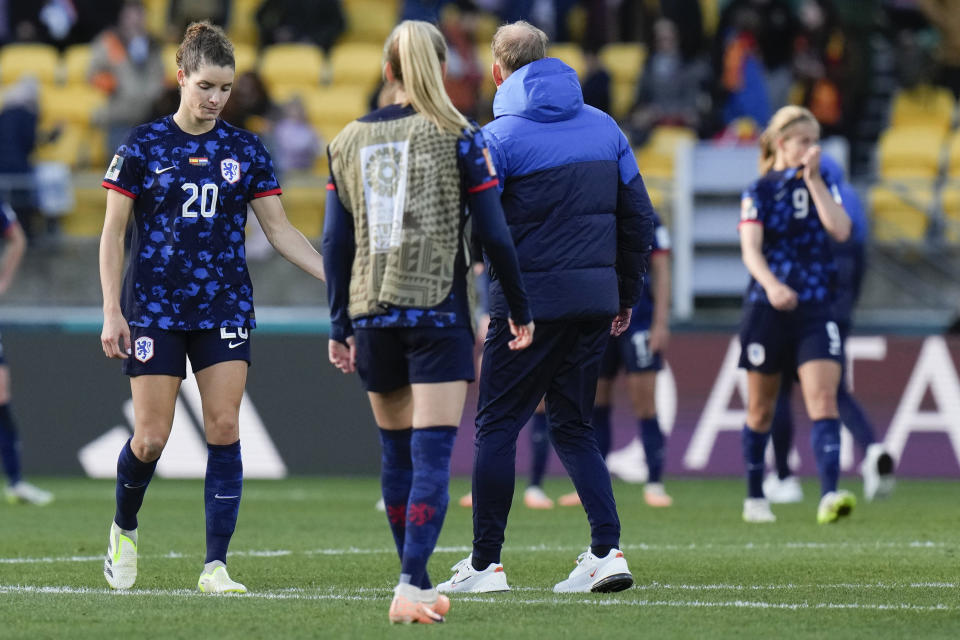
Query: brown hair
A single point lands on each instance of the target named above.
(204, 43)
(782, 120)
(517, 44)
(415, 51)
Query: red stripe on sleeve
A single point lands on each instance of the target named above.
(483, 187)
(331, 186)
(271, 192)
(748, 222)
(110, 185)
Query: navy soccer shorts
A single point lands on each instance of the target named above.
(165, 353)
(630, 351)
(391, 358)
(773, 341)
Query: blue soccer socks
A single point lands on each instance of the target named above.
(653, 448)
(222, 489)
(825, 438)
(9, 445)
(396, 478)
(754, 445)
(133, 477)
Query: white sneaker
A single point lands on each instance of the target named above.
(535, 498)
(215, 579)
(785, 491)
(466, 579)
(120, 566)
(877, 472)
(599, 575)
(25, 493)
(834, 505)
(629, 463)
(757, 510)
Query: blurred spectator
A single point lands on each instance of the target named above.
(295, 143)
(687, 17)
(669, 88)
(945, 16)
(182, 12)
(774, 30)
(426, 10)
(18, 136)
(742, 90)
(596, 80)
(315, 21)
(126, 64)
(819, 63)
(464, 74)
(250, 106)
(48, 21)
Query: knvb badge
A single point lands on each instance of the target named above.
(143, 348)
(230, 170)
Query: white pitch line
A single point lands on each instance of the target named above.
(601, 601)
(347, 551)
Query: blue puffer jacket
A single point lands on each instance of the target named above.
(573, 197)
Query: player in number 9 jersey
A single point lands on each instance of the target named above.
(788, 217)
(186, 181)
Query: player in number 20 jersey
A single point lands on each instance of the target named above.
(188, 267)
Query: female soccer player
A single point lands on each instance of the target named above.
(788, 216)
(186, 180)
(402, 181)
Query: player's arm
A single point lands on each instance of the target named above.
(16, 246)
(780, 295)
(115, 337)
(660, 324)
(339, 247)
(285, 238)
(834, 219)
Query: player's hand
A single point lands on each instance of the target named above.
(811, 163)
(659, 337)
(782, 297)
(523, 335)
(343, 355)
(621, 322)
(115, 337)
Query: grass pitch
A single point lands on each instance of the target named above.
(319, 563)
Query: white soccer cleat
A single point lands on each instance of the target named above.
(785, 491)
(535, 498)
(120, 566)
(25, 493)
(599, 575)
(215, 579)
(834, 505)
(877, 472)
(757, 510)
(466, 579)
(629, 463)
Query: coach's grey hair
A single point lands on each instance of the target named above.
(517, 44)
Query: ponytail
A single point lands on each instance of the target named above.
(415, 51)
(783, 119)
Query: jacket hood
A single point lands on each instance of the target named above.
(546, 90)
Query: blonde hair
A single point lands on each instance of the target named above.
(415, 51)
(776, 130)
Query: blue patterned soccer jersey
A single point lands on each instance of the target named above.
(795, 244)
(188, 267)
(643, 310)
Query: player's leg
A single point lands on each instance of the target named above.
(221, 390)
(643, 386)
(570, 400)
(781, 486)
(17, 489)
(533, 495)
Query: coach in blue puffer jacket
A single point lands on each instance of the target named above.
(581, 221)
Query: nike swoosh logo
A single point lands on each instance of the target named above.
(220, 497)
(594, 573)
(234, 345)
(455, 581)
(133, 486)
(159, 171)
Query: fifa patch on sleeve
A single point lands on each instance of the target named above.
(114, 171)
(490, 168)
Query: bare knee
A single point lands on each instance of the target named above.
(821, 403)
(760, 417)
(147, 448)
(222, 428)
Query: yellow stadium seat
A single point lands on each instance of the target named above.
(369, 20)
(357, 63)
(901, 213)
(71, 105)
(169, 57)
(76, 64)
(38, 60)
(925, 106)
(304, 198)
(157, 13)
(86, 219)
(286, 64)
(488, 89)
(910, 152)
(243, 23)
(622, 97)
(951, 213)
(953, 157)
(656, 158)
(572, 54)
(335, 103)
(244, 57)
(624, 61)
